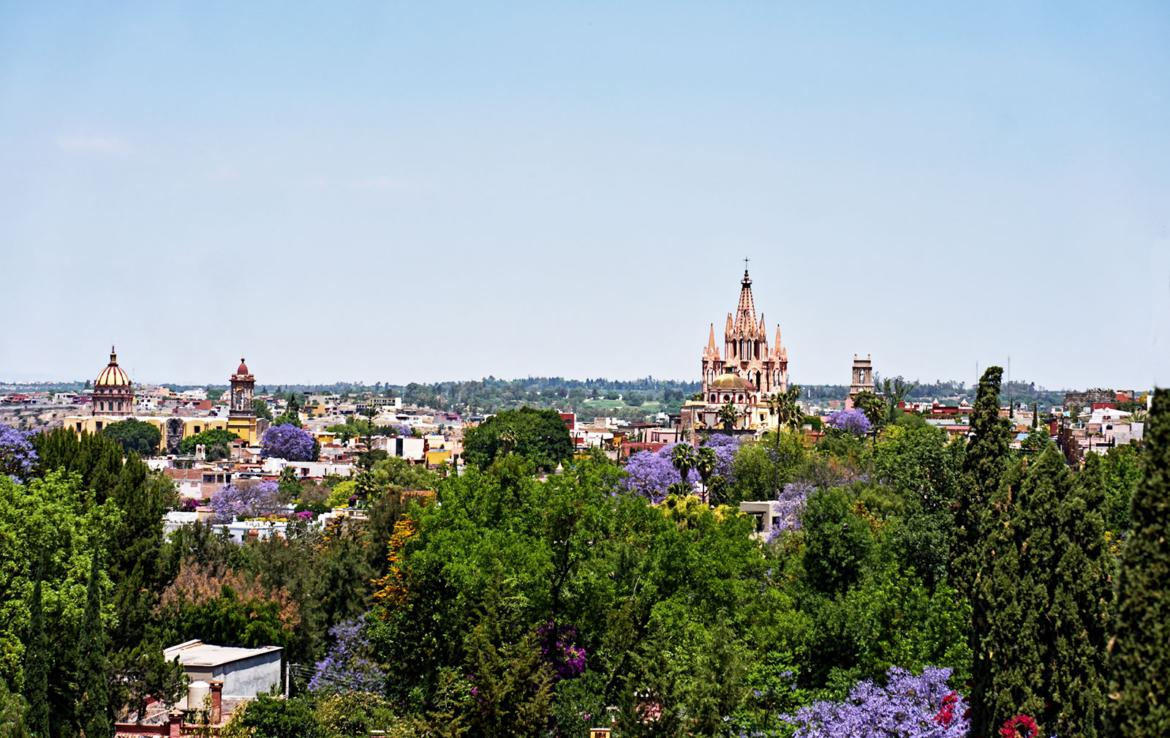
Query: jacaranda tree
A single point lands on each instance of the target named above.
(288, 442)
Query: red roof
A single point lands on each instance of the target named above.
(243, 368)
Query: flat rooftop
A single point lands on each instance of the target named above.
(198, 653)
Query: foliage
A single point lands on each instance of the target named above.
(353, 714)
(917, 464)
(13, 714)
(134, 436)
(1138, 658)
(906, 705)
(347, 666)
(539, 435)
(209, 439)
(1121, 470)
(269, 716)
(853, 421)
(874, 407)
(94, 709)
(288, 442)
(245, 499)
(260, 407)
(18, 457)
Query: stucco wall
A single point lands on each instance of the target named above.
(251, 676)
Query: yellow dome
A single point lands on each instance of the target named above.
(112, 375)
(729, 381)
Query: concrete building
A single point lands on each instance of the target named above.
(244, 672)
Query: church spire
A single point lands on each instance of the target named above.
(745, 314)
(711, 342)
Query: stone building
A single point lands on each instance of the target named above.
(862, 376)
(242, 414)
(744, 375)
(113, 395)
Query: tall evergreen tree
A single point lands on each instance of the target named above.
(1139, 659)
(984, 460)
(36, 666)
(1015, 593)
(1081, 609)
(94, 707)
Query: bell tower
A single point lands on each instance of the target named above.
(242, 414)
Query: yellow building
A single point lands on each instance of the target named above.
(169, 426)
(242, 415)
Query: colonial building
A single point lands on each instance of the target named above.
(113, 395)
(242, 414)
(744, 375)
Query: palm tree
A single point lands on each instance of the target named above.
(783, 405)
(727, 416)
(683, 457)
(705, 461)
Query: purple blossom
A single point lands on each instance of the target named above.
(565, 656)
(287, 442)
(787, 508)
(403, 430)
(651, 472)
(853, 421)
(304, 515)
(909, 706)
(347, 666)
(726, 447)
(245, 500)
(18, 458)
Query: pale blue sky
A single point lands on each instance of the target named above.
(425, 191)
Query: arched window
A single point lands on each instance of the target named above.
(727, 398)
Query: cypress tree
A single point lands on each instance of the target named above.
(1015, 593)
(984, 460)
(1079, 618)
(1139, 657)
(94, 708)
(36, 666)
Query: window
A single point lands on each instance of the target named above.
(98, 425)
(196, 430)
(79, 427)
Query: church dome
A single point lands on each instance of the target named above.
(242, 369)
(112, 375)
(729, 381)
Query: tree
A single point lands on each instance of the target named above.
(728, 416)
(260, 407)
(1081, 610)
(134, 436)
(287, 442)
(271, 716)
(94, 710)
(873, 407)
(983, 464)
(896, 392)
(683, 457)
(1138, 658)
(853, 421)
(18, 457)
(245, 499)
(36, 664)
(539, 435)
(210, 439)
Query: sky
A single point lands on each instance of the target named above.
(433, 191)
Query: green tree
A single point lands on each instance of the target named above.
(1082, 599)
(36, 664)
(874, 407)
(210, 439)
(1015, 614)
(260, 407)
(13, 714)
(94, 710)
(838, 542)
(1139, 660)
(539, 435)
(134, 436)
(896, 392)
(727, 417)
(271, 716)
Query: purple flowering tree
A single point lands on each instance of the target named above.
(347, 666)
(245, 500)
(909, 706)
(403, 430)
(788, 507)
(650, 473)
(853, 421)
(287, 442)
(564, 655)
(725, 449)
(18, 458)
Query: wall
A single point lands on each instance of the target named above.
(251, 676)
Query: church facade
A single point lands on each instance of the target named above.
(743, 375)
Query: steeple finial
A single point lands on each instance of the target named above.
(113, 355)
